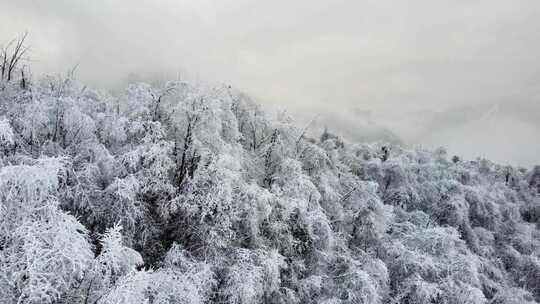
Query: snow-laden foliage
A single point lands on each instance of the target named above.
(186, 193)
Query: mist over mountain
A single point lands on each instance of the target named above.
(408, 62)
(501, 132)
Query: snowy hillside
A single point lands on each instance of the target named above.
(193, 194)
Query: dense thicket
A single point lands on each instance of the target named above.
(191, 194)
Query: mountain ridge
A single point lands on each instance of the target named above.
(184, 193)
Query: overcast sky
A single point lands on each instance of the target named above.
(460, 73)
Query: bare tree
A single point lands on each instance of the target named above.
(11, 55)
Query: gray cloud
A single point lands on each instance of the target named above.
(427, 70)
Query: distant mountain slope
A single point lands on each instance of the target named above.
(501, 132)
(356, 126)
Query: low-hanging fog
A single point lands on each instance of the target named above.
(463, 74)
